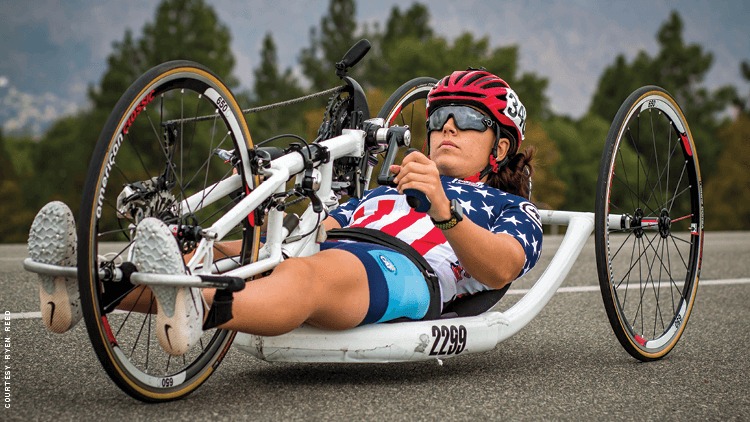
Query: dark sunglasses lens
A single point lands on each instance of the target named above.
(466, 118)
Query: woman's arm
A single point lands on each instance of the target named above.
(331, 223)
(494, 259)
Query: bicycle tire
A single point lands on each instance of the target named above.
(649, 177)
(404, 106)
(131, 150)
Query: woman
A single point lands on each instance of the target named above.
(480, 232)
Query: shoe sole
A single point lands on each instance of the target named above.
(52, 240)
(179, 313)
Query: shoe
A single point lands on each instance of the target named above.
(179, 312)
(52, 240)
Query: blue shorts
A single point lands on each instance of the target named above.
(397, 287)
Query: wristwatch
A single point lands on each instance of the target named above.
(457, 214)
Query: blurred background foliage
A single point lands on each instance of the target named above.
(33, 172)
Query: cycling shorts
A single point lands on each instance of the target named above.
(397, 287)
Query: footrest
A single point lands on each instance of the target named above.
(49, 269)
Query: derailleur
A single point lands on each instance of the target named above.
(144, 199)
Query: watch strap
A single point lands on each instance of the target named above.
(456, 217)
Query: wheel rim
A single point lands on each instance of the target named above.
(171, 173)
(654, 247)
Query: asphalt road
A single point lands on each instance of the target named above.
(565, 365)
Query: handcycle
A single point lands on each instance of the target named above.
(177, 147)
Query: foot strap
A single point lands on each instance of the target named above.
(221, 309)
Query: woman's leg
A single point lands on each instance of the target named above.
(328, 290)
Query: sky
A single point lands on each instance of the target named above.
(52, 50)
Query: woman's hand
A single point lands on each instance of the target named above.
(419, 172)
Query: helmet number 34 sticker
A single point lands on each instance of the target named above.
(515, 110)
(448, 340)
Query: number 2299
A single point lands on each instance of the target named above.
(451, 336)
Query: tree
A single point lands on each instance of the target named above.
(14, 218)
(580, 146)
(548, 190)
(743, 104)
(182, 30)
(678, 68)
(408, 48)
(270, 87)
(727, 194)
(61, 159)
(329, 44)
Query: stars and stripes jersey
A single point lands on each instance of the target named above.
(386, 210)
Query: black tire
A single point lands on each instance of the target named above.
(649, 259)
(134, 148)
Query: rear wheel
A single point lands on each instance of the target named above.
(649, 223)
(168, 139)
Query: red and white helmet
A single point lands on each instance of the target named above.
(486, 92)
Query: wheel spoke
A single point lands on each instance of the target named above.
(623, 244)
(684, 167)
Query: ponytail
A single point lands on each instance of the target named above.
(515, 177)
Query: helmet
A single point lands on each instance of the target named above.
(486, 92)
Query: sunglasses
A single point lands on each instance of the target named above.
(465, 118)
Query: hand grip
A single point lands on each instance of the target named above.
(416, 198)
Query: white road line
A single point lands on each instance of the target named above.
(579, 289)
(33, 315)
(26, 315)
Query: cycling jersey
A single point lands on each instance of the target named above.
(386, 210)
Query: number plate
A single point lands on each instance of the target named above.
(448, 340)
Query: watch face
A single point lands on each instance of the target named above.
(456, 210)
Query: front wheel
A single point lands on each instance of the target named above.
(649, 223)
(162, 151)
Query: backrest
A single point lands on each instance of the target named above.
(474, 304)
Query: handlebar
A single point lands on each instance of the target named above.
(401, 137)
(416, 198)
(394, 137)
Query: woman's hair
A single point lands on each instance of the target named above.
(515, 177)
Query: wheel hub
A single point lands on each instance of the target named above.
(636, 223)
(665, 223)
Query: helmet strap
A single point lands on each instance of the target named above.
(493, 165)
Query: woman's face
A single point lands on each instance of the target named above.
(463, 153)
